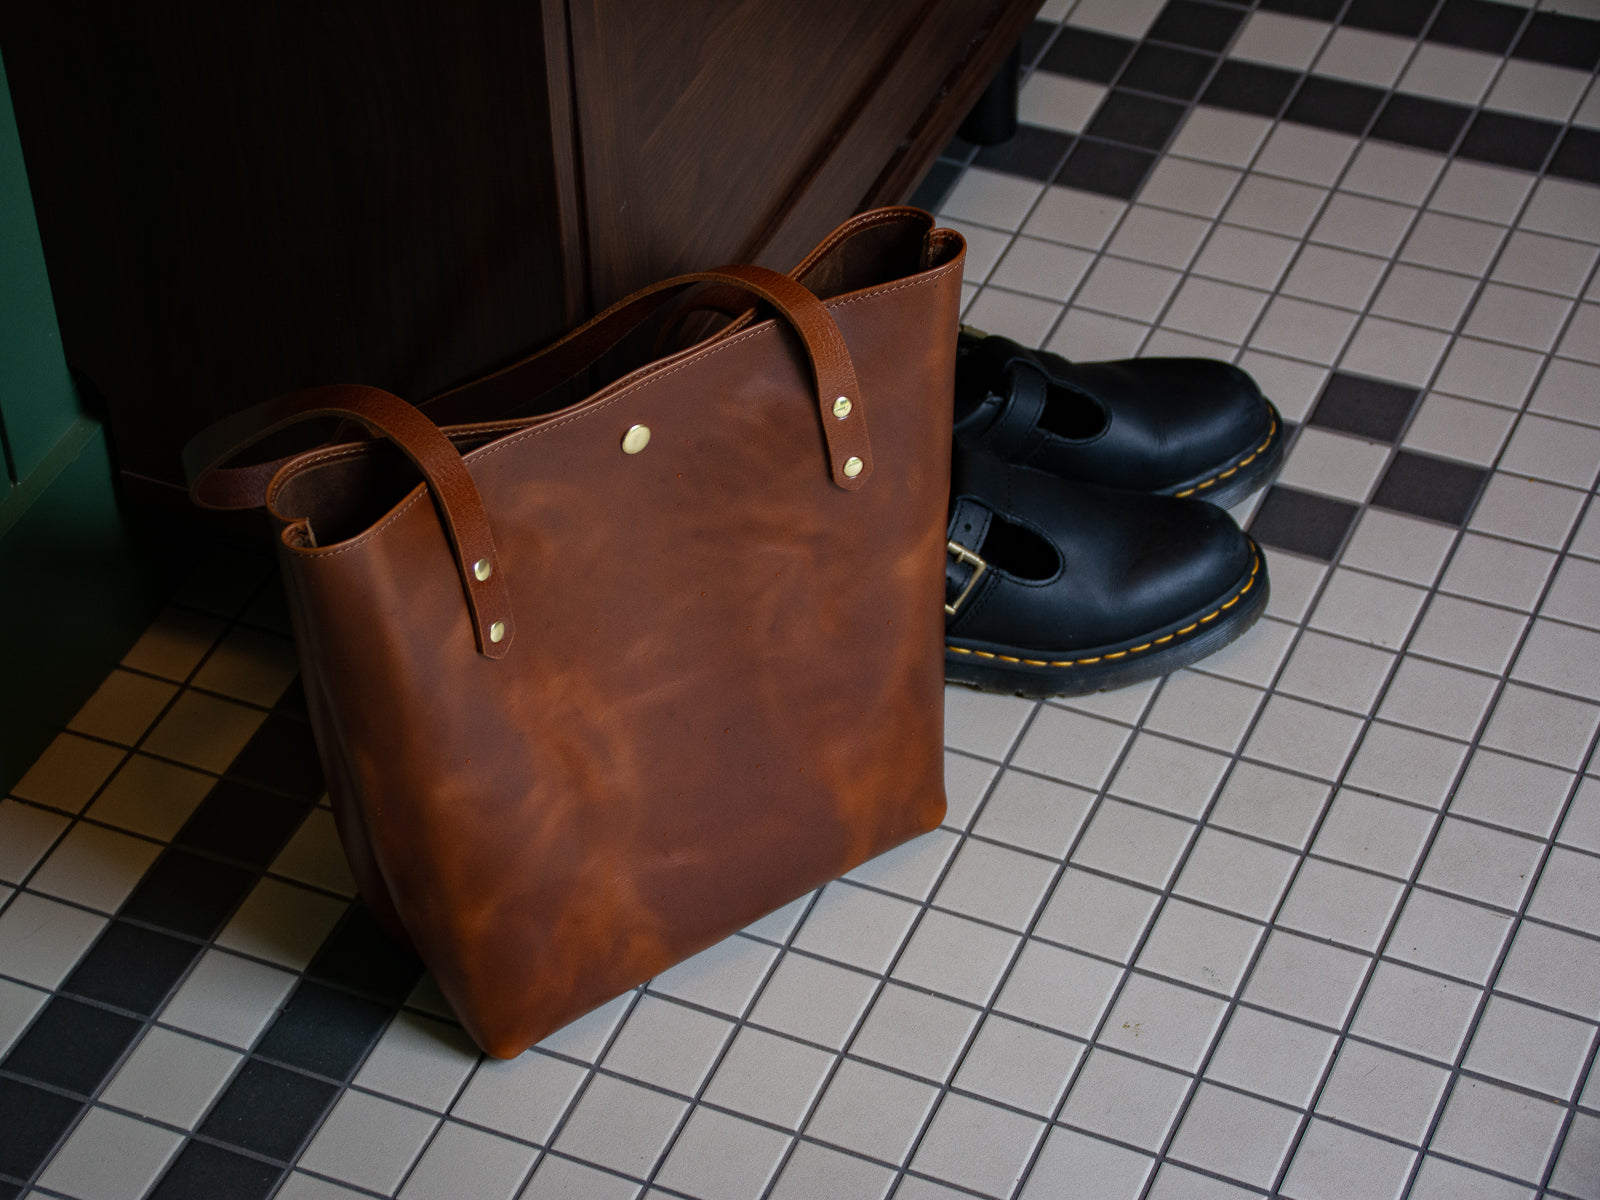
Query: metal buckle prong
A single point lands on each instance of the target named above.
(962, 555)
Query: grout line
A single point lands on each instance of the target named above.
(968, 834)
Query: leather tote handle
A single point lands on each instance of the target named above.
(490, 397)
(844, 425)
(461, 510)
(466, 523)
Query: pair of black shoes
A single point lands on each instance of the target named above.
(1086, 547)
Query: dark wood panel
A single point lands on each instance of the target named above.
(714, 130)
(947, 60)
(698, 118)
(236, 200)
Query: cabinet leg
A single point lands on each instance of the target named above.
(993, 118)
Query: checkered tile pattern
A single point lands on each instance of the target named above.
(1317, 918)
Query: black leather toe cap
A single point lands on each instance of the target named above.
(1127, 564)
(1149, 424)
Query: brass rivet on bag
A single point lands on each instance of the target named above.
(497, 632)
(841, 407)
(852, 467)
(636, 439)
(482, 569)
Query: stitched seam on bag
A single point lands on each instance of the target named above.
(1255, 568)
(590, 410)
(1243, 462)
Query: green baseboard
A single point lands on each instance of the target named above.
(75, 593)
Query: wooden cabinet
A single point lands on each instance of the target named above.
(238, 200)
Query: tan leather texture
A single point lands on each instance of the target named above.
(726, 684)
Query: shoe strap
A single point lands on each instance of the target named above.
(1016, 432)
(969, 525)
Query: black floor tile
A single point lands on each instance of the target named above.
(1368, 408)
(1420, 122)
(1136, 120)
(1561, 41)
(33, 1121)
(1317, 10)
(1303, 523)
(188, 893)
(1202, 26)
(1250, 87)
(282, 755)
(269, 1110)
(324, 1030)
(1034, 39)
(1578, 156)
(72, 1046)
(131, 967)
(1436, 488)
(1477, 25)
(1404, 17)
(360, 956)
(9, 1191)
(935, 185)
(1105, 169)
(243, 823)
(1335, 104)
(1167, 71)
(1508, 141)
(1034, 153)
(1084, 54)
(205, 1172)
(293, 700)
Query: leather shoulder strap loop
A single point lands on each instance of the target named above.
(839, 401)
(460, 507)
(833, 373)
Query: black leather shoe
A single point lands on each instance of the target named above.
(1173, 426)
(1055, 588)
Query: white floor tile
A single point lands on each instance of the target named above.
(1120, 1097)
(1059, 989)
(1530, 1047)
(1235, 1135)
(1074, 1166)
(1333, 1162)
(1417, 1012)
(872, 1111)
(1370, 811)
(1494, 1127)
(1364, 57)
(1449, 73)
(1279, 39)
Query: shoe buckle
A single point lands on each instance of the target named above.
(962, 555)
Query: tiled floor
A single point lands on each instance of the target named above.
(1319, 918)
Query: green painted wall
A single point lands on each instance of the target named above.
(74, 591)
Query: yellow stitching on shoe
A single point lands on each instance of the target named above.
(1255, 569)
(1243, 462)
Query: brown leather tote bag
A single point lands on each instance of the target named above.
(594, 689)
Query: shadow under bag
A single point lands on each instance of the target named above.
(596, 688)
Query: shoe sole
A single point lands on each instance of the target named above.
(1225, 486)
(1009, 669)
